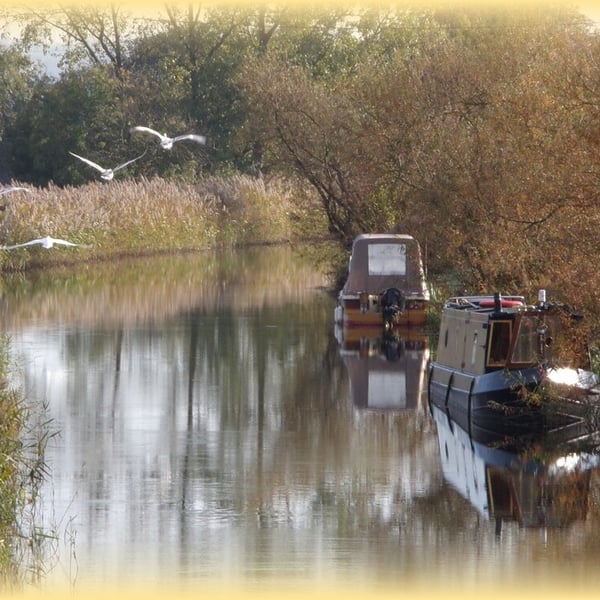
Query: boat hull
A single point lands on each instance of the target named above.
(495, 402)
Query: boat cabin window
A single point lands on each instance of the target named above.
(500, 334)
(387, 259)
(526, 348)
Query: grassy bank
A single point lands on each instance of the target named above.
(22, 470)
(155, 216)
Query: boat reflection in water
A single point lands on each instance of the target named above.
(541, 480)
(386, 368)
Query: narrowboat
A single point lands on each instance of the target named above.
(386, 285)
(534, 480)
(498, 363)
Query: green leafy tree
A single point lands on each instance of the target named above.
(322, 128)
(17, 75)
(78, 113)
(182, 84)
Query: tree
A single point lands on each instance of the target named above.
(322, 127)
(89, 35)
(78, 113)
(461, 135)
(17, 75)
(182, 81)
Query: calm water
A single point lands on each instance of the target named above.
(211, 427)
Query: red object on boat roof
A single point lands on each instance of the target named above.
(504, 303)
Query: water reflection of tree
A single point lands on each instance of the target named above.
(293, 416)
(150, 289)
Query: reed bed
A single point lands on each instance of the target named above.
(135, 217)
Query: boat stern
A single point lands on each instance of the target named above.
(386, 310)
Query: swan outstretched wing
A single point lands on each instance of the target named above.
(30, 243)
(191, 136)
(66, 243)
(148, 130)
(89, 162)
(13, 189)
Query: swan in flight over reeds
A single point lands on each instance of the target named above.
(45, 242)
(106, 174)
(12, 188)
(167, 142)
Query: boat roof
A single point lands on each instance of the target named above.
(383, 237)
(383, 260)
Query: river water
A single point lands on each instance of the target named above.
(212, 426)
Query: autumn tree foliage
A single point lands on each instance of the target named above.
(480, 138)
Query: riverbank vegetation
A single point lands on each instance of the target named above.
(23, 439)
(149, 216)
(473, 129)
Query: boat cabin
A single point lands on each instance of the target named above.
(386, 283)
(479, 334)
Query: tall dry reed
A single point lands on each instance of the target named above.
(155, 215)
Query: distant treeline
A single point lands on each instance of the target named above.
(476, 130)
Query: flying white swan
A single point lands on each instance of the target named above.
(13, 188)
(167, 142)
(45, 242)
(106, 174)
